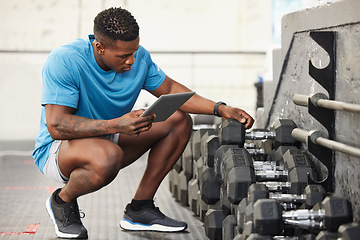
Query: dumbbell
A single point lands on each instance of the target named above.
(312, 195)
(232, 132)
(239, 174)
(240, 157)
(275, 159)
(264, 169)
(349, 231)
(269, 219)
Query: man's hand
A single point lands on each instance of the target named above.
(132, 124)
(237, 114)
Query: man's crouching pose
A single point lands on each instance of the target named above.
(89, 132)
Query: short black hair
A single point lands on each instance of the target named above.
(115, 24)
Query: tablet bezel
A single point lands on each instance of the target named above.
(166, 105)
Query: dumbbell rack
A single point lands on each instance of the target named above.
(187, 181)
(221, 220)
(326, 78)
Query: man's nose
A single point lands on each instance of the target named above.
(130, 60)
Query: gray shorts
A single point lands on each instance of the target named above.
(51, 168)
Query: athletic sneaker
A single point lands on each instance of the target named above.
(66, 218)
(150, 218)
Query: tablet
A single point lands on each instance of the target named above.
(166, 105)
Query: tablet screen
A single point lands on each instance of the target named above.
(166, 105)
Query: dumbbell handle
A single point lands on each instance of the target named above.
(270, 174)
(255, 151)
(283, 197)
(305, 224)
(276, 186)
(285, 238)
(257, 135)
(267, 165)
(304, 214)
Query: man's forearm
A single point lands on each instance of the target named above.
(199, 105)
(70, 126)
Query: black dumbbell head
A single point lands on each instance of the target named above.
(283, 129)
(229, 225)
(349, 231)
(240, 214)
(257, 191)
(295, 158)
(314, 193)
(238, 180)
(267, 217)
(232, 132)
(219, 156)
(209, 145)
(196, 140)
(213, 224)
(338, 211)
(209, 187)
(298, 177)
(235, 157)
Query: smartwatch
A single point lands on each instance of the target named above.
(216, 108)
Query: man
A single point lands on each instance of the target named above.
(88, 131)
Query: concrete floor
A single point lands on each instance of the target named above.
(23, 191)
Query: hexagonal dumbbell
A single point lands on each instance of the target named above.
(239, 173)
(269, 219)
(312, 195)
(232, 132)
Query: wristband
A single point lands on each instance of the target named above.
(216, 108)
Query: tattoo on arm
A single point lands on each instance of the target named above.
(72, 126)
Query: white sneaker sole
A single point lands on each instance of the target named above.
(130, 226)
(57, 232)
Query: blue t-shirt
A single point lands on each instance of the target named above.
(72, 78)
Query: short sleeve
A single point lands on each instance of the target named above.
(155, 76)
(59, 82)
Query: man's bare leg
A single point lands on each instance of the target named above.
(92, 163)
(141, 214)
(171, 139)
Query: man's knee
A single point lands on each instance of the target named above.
(107, 166)
(183, 120)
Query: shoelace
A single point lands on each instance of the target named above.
(158, 212)
(72, 215)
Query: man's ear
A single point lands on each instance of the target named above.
(100, 48)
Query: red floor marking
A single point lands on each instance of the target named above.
(31, 229)
(48, 189)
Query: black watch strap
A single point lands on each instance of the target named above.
(216, 108)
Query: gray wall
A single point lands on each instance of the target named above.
(291, 77)
(30, 29)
